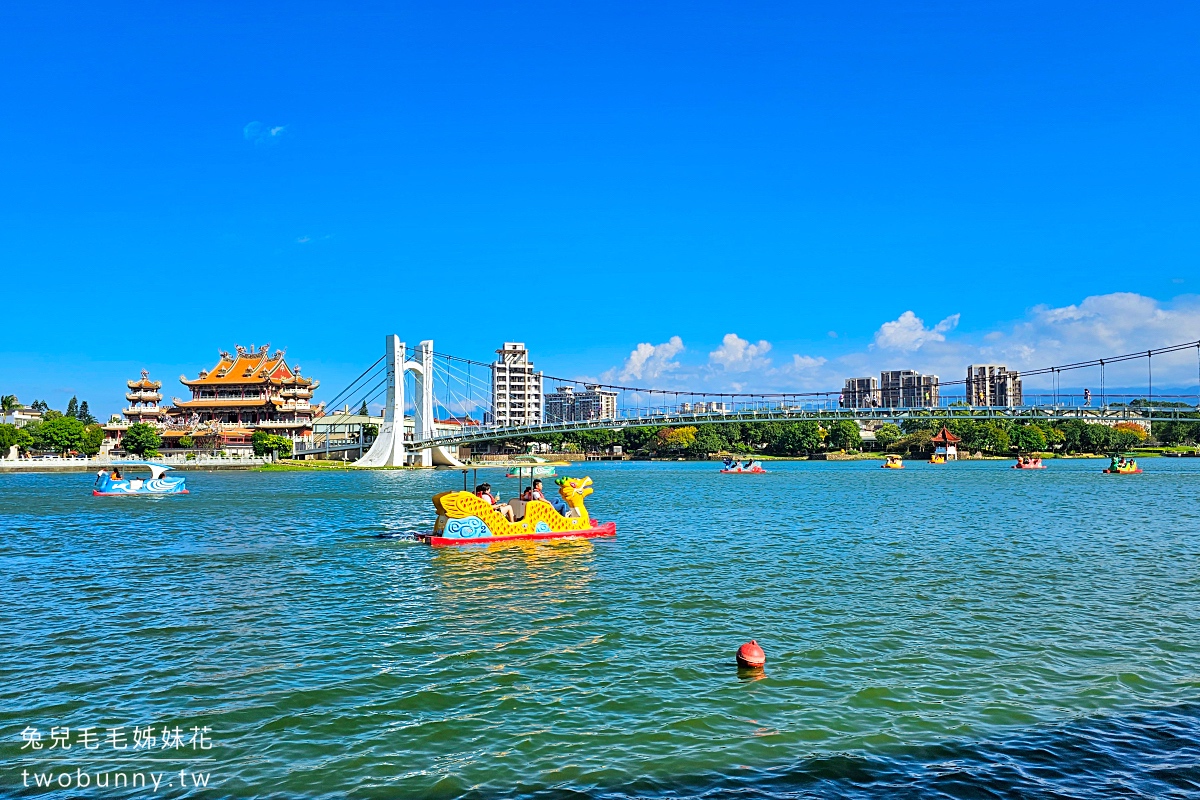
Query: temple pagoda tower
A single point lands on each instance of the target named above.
(248, 390)
(144, 397)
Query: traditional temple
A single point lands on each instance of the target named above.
(248, 390)
(143, 397)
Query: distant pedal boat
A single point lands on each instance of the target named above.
(114, 484)
(751, 467)
(1029, 463)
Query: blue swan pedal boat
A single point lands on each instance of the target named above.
(111, 483)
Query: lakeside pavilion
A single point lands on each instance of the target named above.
(945, 444)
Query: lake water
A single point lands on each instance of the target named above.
(967, 630)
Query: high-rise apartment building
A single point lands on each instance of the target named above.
(567, 405)
(903, 388)
(993, 385)
(860, 393)
(516, 388)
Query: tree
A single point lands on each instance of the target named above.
(640, 439)
(1054, 437)
(1096, 438)
(1029, 439)
(1177, 432)
(266, 443)
(8, 438)
(887, 435)
(187, 441)
(1124, 439)
(1072, 433)
(1132, 428)
(844, 435)
(363, 410)
(676, 439)
(995, 439)
(8, 404)
(708, 440)
(72, 408)
(24, 440)
(61, 435)
(796, 438)
(93, 439)
(84, 415)
(919, 441)
(39, 405)
(140, 439)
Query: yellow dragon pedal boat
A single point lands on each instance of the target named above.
(464, 518)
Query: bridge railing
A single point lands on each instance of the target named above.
(1128, 408)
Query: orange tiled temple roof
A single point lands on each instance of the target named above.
(249, 367)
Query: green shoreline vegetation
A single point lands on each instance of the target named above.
(913, 437)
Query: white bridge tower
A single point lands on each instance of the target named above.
(388, 449)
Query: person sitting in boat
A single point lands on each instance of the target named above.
(537, 494)
(484, 492)
(116, 474)
(729, 463)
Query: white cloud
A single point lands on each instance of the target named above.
(261, 134)
(908, 333)
(1102, 326)
(1099, 326)
(648, 361)
(801, 363)
(738, 355)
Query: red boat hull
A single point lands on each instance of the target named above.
(603, 530)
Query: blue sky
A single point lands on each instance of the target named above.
(993, 180)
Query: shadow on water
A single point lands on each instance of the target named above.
(1152, 754)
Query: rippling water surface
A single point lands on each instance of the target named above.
(966, 630)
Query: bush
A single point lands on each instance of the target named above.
(187, 441)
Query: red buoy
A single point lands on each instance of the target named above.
(751, 656)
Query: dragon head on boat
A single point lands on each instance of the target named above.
(573, 491)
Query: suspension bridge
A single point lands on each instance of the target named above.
(434, 402)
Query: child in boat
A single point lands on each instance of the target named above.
(484, 492)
